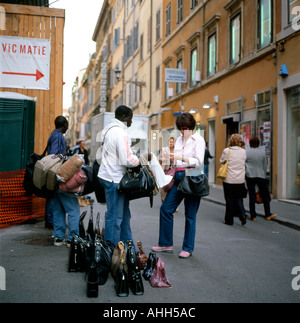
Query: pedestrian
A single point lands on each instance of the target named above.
(62, 203)
(256, 174)
(56, 144)
(207, 156)
(81, 151)
(234, 183)
(117, 156)
(167, 162)
(188, 152)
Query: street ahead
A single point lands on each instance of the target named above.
(251, 263)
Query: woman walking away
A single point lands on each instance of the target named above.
(189, 152)
(234, 183)
(256, 173)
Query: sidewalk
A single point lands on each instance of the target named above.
(288, 211)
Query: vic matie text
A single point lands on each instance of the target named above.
(24, 49)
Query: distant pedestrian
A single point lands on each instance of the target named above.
(207, 156)
(167, 162)
(63, 203)
(81, 151)
(234, 183)
(256, 175)
(188, 152)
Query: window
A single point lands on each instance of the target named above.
(157, 82)
(292, 13)
(179, 11)
(168, 20)
(211, 62)
(264, 23)
(193, 69)
(194, 3)
(235, 39)
(158, 25)
(142, 47)
(179, 85)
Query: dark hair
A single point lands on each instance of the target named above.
(121, 111)
(60, 122)
(254, 142)
(185, 120)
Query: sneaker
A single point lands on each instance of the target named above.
(58, 242)
(185, 254)
(163, 249)
(268, 218)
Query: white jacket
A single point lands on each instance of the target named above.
(117, 155)
(236, 164)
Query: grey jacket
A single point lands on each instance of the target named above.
(256, 162)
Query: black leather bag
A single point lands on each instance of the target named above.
(28, 177)
(99, 189)
(134, 275)
(138, 182)
(194, 183)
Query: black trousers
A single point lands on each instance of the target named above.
(262, 184)
(233, 194)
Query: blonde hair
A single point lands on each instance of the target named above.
(236, 140)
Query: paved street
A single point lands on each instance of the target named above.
(251, 263)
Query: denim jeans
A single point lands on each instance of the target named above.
(168, 207)
(117, 222)
(49, 211)
(65, 203)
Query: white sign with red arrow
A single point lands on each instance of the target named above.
(25, 63)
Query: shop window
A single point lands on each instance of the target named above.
(293, 143)
(235, 39)
(292, 11)
(265, 22)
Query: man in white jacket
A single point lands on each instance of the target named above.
(117, 156)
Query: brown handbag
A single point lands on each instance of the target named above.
(142, 257)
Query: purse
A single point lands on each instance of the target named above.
(42, 167)
(222, 173)
(170, 172)
(142, 257)
(134, 275)
(194, 183)
(28, 177)
(258, 198)
(69, 168)
(138, 182)
(149, 268)
(159, 277)
(119, 269)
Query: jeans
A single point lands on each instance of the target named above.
(49, 211)
(65, 203)
(168, 207)
(117, 222)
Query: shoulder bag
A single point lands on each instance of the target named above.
(194, 183)
(222, 173)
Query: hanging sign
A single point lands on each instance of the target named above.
(175, 75)
(25, 63)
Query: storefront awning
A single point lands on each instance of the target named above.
(231, 118)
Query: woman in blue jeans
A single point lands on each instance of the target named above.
(189, 152)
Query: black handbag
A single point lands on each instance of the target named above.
(134, 275)
(99, 189)
(138, 182)
(194, 183)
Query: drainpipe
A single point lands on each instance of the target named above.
(151, 22)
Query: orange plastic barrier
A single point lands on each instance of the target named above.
(15, 206)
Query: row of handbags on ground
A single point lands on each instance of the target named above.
(91, 254)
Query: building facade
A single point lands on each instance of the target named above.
(233, 63)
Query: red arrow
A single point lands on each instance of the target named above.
(38, 75)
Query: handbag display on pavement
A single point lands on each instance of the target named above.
(142, 257)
